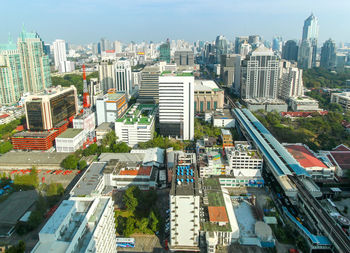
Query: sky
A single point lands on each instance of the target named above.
(86, 21)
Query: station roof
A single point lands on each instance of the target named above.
(304, 156)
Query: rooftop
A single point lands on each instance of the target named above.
(31, 134)
(105, 126)
(142, 171)
(170, 73)
(224, 114)
(123, 157)
(70, 133)
(304, 156)
(205, 85)
(225, 132)
(32, 158)
(303, 114)
(139, 113)
(217, 214)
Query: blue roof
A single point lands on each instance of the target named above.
(287, 157)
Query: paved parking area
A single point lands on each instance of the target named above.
(144, 243)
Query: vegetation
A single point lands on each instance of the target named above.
(5, 147)
(324, 100)
(70, 162)
(162, 142)
(319, 77)
(202, 128)
(318, 132)
(19, 248)
(139, 215)
(73, 79)
(26, 182)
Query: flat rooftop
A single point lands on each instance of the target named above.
(70, 133)
(105, 126)
(139, 113)
(225, 132)
(217, 214)
(123, 157)
(205, 85)
(31, 134)
(224, 114)
(32, 158)
(304, 156)
(142, 171)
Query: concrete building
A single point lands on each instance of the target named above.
(223, 119)
(211, 162)
(290, 82)
(303, 103)
(102, 130)
(80, 224)
(305, 55)
(137, 124)
(107, 74)
(184, 58)
(176, 105)
(260, 74)
(48, 109)
(95, 90)
(310, 34)
(87, 122)
(123, 77)
(226, 137)
(290, 51)
(111, 106)
(268, 105)
(221, 47)
(184, 205)
(342, 99)
(328, 55)
(164, 52)
(149, 89)
(60, 57)
(208, 96)
(238, 41)
(70, 140)
(230, 71)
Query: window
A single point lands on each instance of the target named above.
(215, 105)
(208, 105)
(202, 106)
(195, 106)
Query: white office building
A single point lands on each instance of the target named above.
(176, 106)
(291, 81)
(110, 107)
(80, 224)
(123, 76)
(303, 103)
(106, 72)
(60, 57)
(70, 140)
(342, 99)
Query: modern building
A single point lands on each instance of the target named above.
(260, 74)
(318, 170)
(290, 81)
(308, 50)
(123, 77)
(107, 74)
(80, 224)
(149, 89)
(290, 50)
(328, 55)
(238, 41)
(277, 42)
(137, 124)
(230, 71)
(110, 106)
(176, 105)
(208, 96)
(184, 58)
(48, 109)
(303, 103)
(25, 68)
(95, 90)
(245, 49)
(60, 57)
(266, 104)
(221, 47)
(223, 119)
(211, 162)
(87, 122)
(70, 140)
(342, 99)
(226, 137)
(184, 204)
(164, 52)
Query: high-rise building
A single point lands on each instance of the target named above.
(221, 47)
(291, 81)
(238, 41)
(328, 54)
(260, 74)
(340, 61)
(245, 49)
(164, 52)
(24, 68)
(305, 53)
(149, 90)
(123, 76)
(290, 51)
(59, 52)
(277, 44)
(254, 39)
(230, 70)
(105, 44)
(117, 46)
(310, 33)
(176, 106)
(106, 72)
(184, 58)
(48, 109)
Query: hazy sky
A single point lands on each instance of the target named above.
(84, 21)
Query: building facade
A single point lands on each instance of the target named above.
(328, 55)
(149, 90)
(110, 106)
(176, 106)
(290, 82)
(107, 74)
(290, 50)
(208, 96)
(164, 52)
(70, 140)
(342, 99)
(123, 77)
(230, 71)
(184, 58)
(308, 51)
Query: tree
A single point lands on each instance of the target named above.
(120, 147)
(130, 200)
(142, 225)
(130, 227)
(91, 150)
(5, 147)
(153, 221)
(109, 139)
(70, 162)
(82, 164)
(19, 248)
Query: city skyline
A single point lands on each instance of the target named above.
(157, 20)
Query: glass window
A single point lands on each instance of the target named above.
(215, 105)
(202, 106)
(208, 105)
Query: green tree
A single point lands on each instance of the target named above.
(142, 225)
(153, 221)
(70, 162)
(19, 248)
(129, 227)
(82, 164)
(91, 150)
(120, 147)
(130, 201)
(5, 147)
(109, 139)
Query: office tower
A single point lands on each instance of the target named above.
(80, 224)
(59, 52)
(305, 53)
(105, 45)
(164, 52)
(184, 58)
(260, 74)
(48, 109)
(238, 41)
(290, 51)
(328, 54)
(230, 70)
(277, 44)
(310, 33)
(221, 47)
(149, 90)
(245, 49)
(290, 81)
(340, 61)
(117, 46)
(123, 76)
(110, 106)
(254, 39)
(107, 74)
(176, 106)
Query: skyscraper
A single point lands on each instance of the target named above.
(328, 54)
(176, 106)
(123, 76)
(230, 70)
(221, 47)
(305, 55)
(106, 72)
(149, 90)
(290, 51)
(310, 33)
(184, 58)
(60, 57)
(238, 41)
(164, 52)
(291, 81)
(260, 74)
(277, 44)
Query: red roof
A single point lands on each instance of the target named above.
(341, 147)
(4, 116)
(217, 214)
(342, 158)
(304, 156)
(303, 114)
(142, 171)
